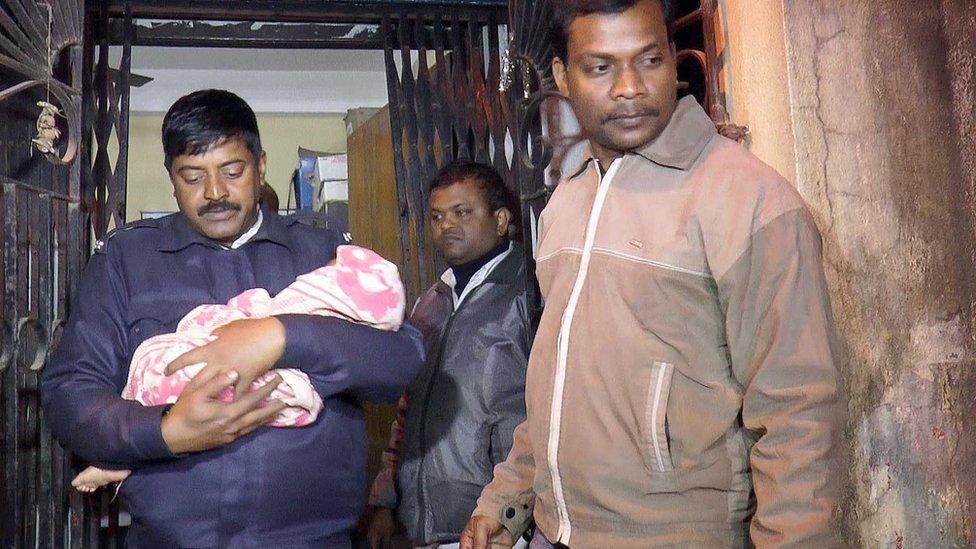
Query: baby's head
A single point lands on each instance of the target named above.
(364, 260)
(372, 282)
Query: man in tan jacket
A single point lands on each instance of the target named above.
(683, 388)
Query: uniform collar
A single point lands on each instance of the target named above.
(680, 144)
(248, 234)
(273, 228)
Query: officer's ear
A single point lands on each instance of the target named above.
(262, 164)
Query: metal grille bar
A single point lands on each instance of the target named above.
(443, 74)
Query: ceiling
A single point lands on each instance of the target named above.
(271, 81)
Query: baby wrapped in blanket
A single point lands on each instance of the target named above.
(359, 286)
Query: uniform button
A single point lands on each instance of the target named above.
(510, 513)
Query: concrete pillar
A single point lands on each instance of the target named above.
(756, 79)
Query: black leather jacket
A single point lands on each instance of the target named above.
(466, 401)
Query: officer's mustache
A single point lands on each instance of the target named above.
(215, 207)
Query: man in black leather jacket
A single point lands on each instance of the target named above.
(462, 408)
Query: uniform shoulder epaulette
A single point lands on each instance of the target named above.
(102, 243)
(308, 218)
(316, 220)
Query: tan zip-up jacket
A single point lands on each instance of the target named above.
(683, 387)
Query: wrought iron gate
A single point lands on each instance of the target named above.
(449, 108)
(53, 203)
(43, 236)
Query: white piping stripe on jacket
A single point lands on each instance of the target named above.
(629, 257)
(655, 435)
(562, 343)
(652, 262)
(569, 249)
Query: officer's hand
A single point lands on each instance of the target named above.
(250, 347)
(200, 420)
(484, 533)
(380, 528)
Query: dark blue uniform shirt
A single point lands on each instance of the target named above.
(276, 487)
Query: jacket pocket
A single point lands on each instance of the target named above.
(657, 448)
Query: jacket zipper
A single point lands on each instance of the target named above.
(562, 347)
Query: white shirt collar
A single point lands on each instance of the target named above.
(479, 276)
(249, 234)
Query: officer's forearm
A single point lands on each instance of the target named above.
(100, 426)
(248, 347)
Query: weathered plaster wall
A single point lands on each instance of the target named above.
(883, 100)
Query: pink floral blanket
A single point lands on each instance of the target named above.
(360, 287)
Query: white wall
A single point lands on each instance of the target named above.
(273, 81)
(300, 97)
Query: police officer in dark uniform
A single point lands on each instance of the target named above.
(204, 472)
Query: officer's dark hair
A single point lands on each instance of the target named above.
(487, 178)
(199, 121)
(566, 11)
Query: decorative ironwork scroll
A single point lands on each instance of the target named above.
(34, 37)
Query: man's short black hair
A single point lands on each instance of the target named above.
(487, 178)
(202, 119)
(566, 11)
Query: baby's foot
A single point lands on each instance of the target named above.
(93, 478)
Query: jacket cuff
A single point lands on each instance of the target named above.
(300, 336)
(147, 432)
(515, 516)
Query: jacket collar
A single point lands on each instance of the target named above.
(508, 270)
(273, 228)
(505, 271)
(680, 144)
